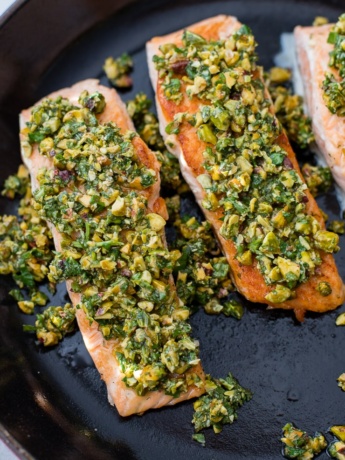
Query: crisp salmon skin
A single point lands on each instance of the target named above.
(125, 399)
(189, 149)
(312, 52)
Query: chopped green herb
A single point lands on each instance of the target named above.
(16, 294)
(199, 437)
(233, 308)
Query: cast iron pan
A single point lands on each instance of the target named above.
(52, 402)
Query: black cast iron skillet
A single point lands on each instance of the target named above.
(52, 402)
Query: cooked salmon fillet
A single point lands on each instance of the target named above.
(187, 146)
(313, 56)
(125, 399)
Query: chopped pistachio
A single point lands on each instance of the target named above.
(26, 148)
(26, 306)
(337, 450)
(279, 294)
(320, 21)
(327, 241)
(338, 431)
(279, 75)
(340, 321)
(324, 288)
(206, 134)
(299, 445)
(156, 221)
(204, 180)
(341, 381)
(39, 298)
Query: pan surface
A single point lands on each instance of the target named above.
(52, 402)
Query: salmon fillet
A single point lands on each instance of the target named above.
(313, 56)
(189, 149)
(125, 399)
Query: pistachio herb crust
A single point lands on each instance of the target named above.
(288, 107)
(248, 175)
(112, 246)
(147, 126)
(26, 245)
(219, 405)
(299, 445)
(201, 273)
(53, 324)
(334, 87)
(318, 178)
(117, 70)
